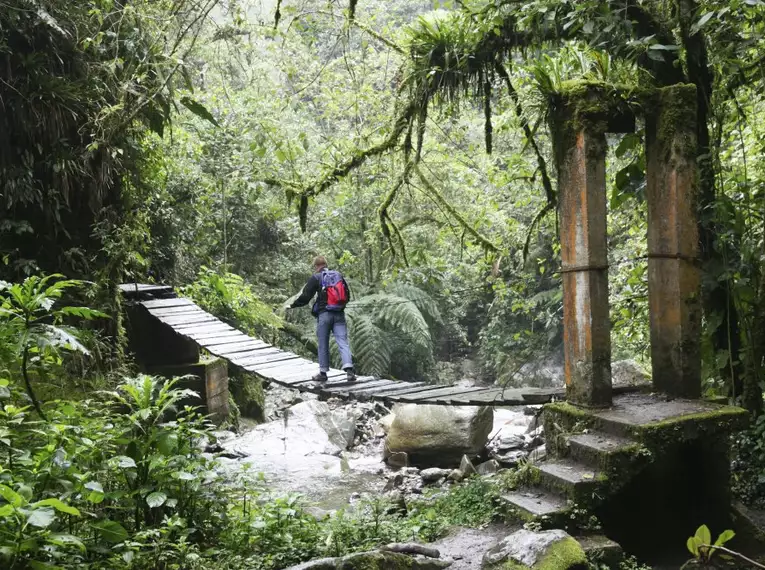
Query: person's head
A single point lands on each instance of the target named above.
(319, 263)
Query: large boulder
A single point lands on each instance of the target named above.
(438, 436)
(545, 550)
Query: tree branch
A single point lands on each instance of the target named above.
(454, 213)
(541, 162)
(360, 157)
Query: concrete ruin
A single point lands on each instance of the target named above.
(651, 467)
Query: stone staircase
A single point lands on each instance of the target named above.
(584, 466)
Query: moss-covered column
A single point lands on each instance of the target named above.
(581, 160)
(673, 270)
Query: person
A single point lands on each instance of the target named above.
(332, 294)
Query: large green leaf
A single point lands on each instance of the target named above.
(58, 505)
(11, 496)
(111, 531)
(41, 518)
(156, 499)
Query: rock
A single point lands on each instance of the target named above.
(394, 482)
(488, 467)
(539, 454)
(412, 548)
(398, 459)
(374, 560)
(545, 550)
(509, 442)
(535, 441)
(437, 436)
(398, 503)
(602, 550)
(466, 467)
(628, 373)
(433, 474)
(456, 476)
(385, 422)
(332, 430)
(531, 410)
(512, 458)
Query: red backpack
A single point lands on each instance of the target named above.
(338, 294)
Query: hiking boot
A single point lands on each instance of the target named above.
(350, 375)
(320, 377)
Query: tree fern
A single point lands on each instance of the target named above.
(422, 300)
(398, 315)
(371, 346)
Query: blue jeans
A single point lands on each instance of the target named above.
(333, 321)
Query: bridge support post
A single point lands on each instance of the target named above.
(581, 160)
(674, 282)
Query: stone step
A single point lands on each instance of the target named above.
(570, 478)
(599, 449)
(532, 503)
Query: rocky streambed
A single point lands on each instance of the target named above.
(333, 452)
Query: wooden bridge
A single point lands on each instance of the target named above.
(182, 318)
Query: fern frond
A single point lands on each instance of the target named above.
(422, 300)
(398, 315)
(371, 346)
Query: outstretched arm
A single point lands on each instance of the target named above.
(312, 287)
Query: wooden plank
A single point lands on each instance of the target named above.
(216, 338)
(485, 396)
(196, 329)
(460, 394)
(171, 311)
(233, 345)
(157, 303)
(253, 366)
(348, 388)
(229, 350)
(331, 375)
(194, 319)
(290, 368)
(341, 386)
(294, 375)
(367, 390)
(297, 360)
(411, 389)
(253, 349)
(403, 388)
(424, 397)
(255, 355)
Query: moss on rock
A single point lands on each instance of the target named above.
(249, 396)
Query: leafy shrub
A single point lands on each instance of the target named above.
(233, 300)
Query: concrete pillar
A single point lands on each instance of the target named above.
(674, 275)
(586, 326)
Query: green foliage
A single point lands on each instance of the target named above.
(748, 466)
(700, 544)
(85, 81)
(231, 299)
(132, 465)
(32, 332)
(391, 334)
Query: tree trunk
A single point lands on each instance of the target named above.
(717, 297)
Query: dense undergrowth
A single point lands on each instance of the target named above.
(123, 479)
